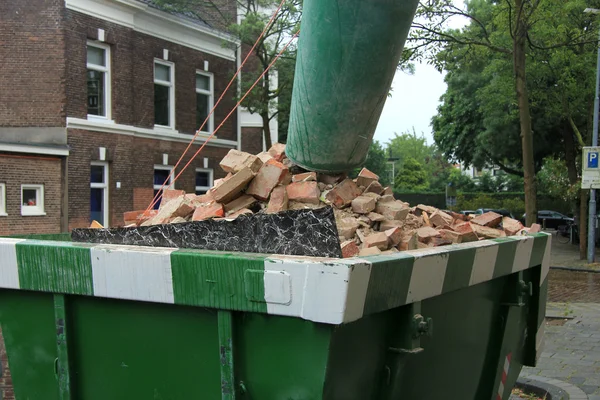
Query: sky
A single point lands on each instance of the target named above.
(413, 103)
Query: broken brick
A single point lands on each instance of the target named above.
(386, 198)
(535, 228)
(130, 217)
(269, 176)
(264, 157)
(486, 232)
(458, 216)
(96, 225)
(229, 189)
(363, 204)
(387, 190)
(366, 177)
(179, 207)
(375, 217)
(440, 218)
(389, 224)
(170, 194)
(439, 241)
(426, 220)
(243, 201)
(379, 240)
(394, 235)
(421, 207)
(278, 201)
(305, 192)
(239, 212)
(393, 209)
(426, 233)
(305, 177)
(374, 187)
(456, 237)
(178, 220)
(369, 251)
(347, 227)
(208, 211)
(511, 226)
(236, 160)
(343, 194)
(349, 249)
(145, 216)
(330, 179)
(277, 151)
(409, 242)
(490, 219)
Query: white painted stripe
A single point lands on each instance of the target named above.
(539, 340)
(483, 264)
(546, 260)
(330, 292)
(427, 279)
(278, 287)
(9, 268)
(501, 389)
(133, 273)
(506, 365)
(523, 253)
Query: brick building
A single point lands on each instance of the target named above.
(99, 99)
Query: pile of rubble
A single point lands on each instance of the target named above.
(368, 217)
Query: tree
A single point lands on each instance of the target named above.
(376, 162)
(513, 31)
(411, 177)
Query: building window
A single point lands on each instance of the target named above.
(204, 100)
(99, 193)
(32, 200)
(161, 173)
(98, 80)
(2, 199)
(204, 180)
(164, 94)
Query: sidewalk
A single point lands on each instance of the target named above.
(572, 347)
(567, 255)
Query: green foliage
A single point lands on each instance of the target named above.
(412, 176)
(553, 180)
(514, 204)
(461, 181)
(377, 163)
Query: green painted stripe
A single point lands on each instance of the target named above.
(218, 280)
(389, 282)
(63, 372)
(226, 356)
(507, 249)
(539, 247)
(58, 267)
(542, 303)
(459, 268)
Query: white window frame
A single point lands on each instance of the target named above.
(104, 186)
(211, 176)
(171, 177)
(3, 200)
(171, 86)
(107, 80)
(211, 98)
(38, 209)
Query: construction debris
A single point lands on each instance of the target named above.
(369, 219)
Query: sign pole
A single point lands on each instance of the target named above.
(591, 251)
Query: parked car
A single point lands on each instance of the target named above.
(504, 213)
(552, 219)
(467, 212)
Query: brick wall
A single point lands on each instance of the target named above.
(131, 161)
(252, 140)
(132, 69)
(32, 63)
(16, 171)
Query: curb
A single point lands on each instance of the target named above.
(558, 390)
(575, 269)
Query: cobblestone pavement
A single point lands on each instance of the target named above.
(573, 287)
(572, 351)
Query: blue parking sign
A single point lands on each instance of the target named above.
(592, 159)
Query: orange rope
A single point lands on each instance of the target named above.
(267, 26)
(234, 108)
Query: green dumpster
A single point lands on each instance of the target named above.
(101, 322)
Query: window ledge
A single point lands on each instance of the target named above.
(3, 214)
(37, 214)
(101, 120)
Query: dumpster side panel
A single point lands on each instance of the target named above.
(30, 338)
(124, 350)
(280, 358)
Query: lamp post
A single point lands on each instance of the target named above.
(591, 250)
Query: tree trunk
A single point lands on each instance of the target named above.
(266, 129)
(519, 58)
(582, 224)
